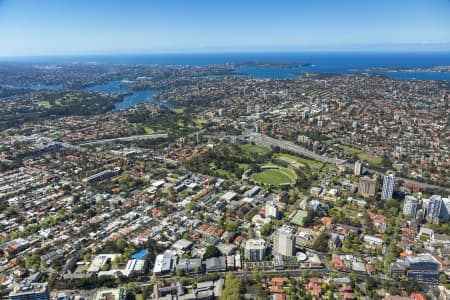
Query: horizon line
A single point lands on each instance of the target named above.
(199, 52)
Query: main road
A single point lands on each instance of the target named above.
(126, 139)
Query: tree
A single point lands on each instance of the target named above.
(121, 244)
(232, 227)
(232, 289)
(265, 229)
(442, 278)
(32, 262)
(321, 243)
(211, 251)
(179, 272)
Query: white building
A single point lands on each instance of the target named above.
(271, 210)
(358, 168)
(373, 240)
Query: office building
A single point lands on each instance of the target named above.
(30, 291)
(255, 250)
(410, 206)
(367, 186)
(388, 186)
(284, 241)
(216, 264)
(164, 263)
(358, 168)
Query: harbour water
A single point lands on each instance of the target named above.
(320, 63)
(134, 97)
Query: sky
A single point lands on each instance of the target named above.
(77, 27)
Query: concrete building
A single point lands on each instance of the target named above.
(423, 267)
(216, 264)
(30, 291)
(410, 206)
(367, 186)
(111, 294)
(255, 250)
(284, 241)
(388, 186)
(189, 265)
(358, 170)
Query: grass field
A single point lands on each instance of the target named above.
(149, 130)
(243, 166)
(363, 155)
(224, 173)
(275, 176)
(178, 110)
(199, 123)
(297, 161)
(255, 149)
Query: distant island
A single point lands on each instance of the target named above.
(438, 69)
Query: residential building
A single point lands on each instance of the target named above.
(388, 186)
(255, 249)
(284, 241)
(367, 186)
(410, 206)
(434, 208)
(271, 209)
(358, 170)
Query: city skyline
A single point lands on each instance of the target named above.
(136, 27)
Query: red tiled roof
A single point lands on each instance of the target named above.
(418, 296)
(277, 280)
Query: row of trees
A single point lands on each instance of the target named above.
(232, 289)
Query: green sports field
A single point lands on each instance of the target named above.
(275, 176)
(255, 149)
(298, 161)
(298, 217)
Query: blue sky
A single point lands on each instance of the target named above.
(63, 27)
